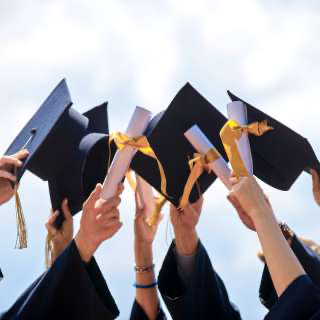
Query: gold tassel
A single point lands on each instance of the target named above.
(153, 219)
(48, 251)
(21, 241)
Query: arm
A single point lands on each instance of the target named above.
(58, 239)
(189, 285)
(283, 265)
(74, 287)
(146, 298)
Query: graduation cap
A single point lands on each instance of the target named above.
(165, 134)
(280, 156)
(66, 148)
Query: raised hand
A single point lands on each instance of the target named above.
(100, 221)
(144, 233)
(59, 239)
(7, 179)
(315, 185)
(184, 225)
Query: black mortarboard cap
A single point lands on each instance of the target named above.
(66, 148)
(165, 134)
(280, 155)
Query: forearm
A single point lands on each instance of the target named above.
(283, 265)
(186, 241)
(147, 298)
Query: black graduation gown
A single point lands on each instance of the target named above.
(70, 289)
(137, 313)
(300, 301)
(310, 262)
(206, 296)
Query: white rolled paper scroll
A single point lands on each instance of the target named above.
(202, 144)
(237, 111)
(146, 195)
(122, 159)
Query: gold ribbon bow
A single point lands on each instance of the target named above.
(160, 202)
(141, 144)
(197, 165)
(233, 131)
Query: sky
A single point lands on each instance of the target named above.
(141, 53)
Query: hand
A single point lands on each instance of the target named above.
(184, 224)
(7, 179)
(250, 198)
(188, 218)
(144, 234)
(100, 221)
(60, 238)
(246, 220)
(315, 185)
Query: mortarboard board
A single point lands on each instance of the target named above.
(165, 134)
(280, 156)
(66, 148)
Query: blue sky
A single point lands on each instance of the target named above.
(141, 53)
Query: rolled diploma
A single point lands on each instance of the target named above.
(146, 195)
(238, 111)
(122, 159)
(202, 144)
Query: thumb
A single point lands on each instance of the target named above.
(66, 210)
(94, 197)
(315, 179)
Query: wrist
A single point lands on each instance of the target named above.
(186, 242)
(143, 253)
(86, 250)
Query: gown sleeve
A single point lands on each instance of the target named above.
(70, 289)
(137, 313)
(300, 301)
(205, 297)
(310, 262)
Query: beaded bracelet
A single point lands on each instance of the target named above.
(145, 286)
(144, 269)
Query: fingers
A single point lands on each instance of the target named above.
(198, 204)
(21, 154)
(234, 201)
(113, 214)
(66, 211)
(139, 204)
(106, 205)
(93, 198)
(315, 179)
(52, 217)
(7, 175)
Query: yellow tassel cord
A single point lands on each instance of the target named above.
(154, 217)
(197, 165)
(48, 251)
(160, 202)
(231, 132)
(139, 143)
(21, 241)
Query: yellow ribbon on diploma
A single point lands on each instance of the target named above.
(233, 131)
(197, 165)
(141, 144)
(159, 203)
